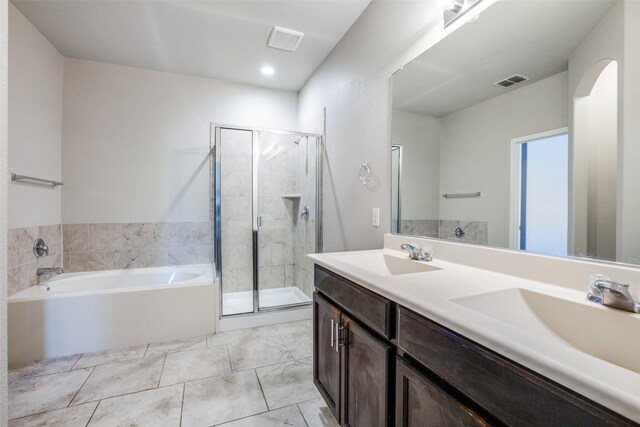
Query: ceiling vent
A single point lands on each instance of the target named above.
(285, 39)
(512, 81)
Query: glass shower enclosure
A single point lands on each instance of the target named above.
(267, 217)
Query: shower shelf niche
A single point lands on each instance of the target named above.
(291, 196)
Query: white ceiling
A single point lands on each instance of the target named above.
(530, 37)
(217, 39)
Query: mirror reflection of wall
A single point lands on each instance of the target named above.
(541, 78)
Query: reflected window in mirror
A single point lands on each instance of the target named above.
(541, 198)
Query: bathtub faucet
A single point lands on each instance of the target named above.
(53, 270)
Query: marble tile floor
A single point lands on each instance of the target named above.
(258, 377)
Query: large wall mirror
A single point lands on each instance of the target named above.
(509, 132)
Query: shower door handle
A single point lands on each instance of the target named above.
(259, 221)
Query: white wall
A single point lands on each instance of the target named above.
(353, 84)
(419, 134)
(629, 157)
(475, 150)
(135, 141)
(35, 121)
(601, 127)
(605, 42)
(4, 12)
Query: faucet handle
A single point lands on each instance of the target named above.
(604, 291)
(40, 248)
(418, 253)
(594, 292)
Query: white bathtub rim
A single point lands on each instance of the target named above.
(41, 292)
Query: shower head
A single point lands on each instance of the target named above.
(297, 141)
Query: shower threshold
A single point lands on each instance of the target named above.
(242, 302)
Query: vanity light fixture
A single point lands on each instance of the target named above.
(267, 70)
(454, 9)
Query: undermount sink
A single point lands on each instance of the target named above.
(608, 334)
(387, 265)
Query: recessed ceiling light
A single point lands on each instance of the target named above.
(267, 70)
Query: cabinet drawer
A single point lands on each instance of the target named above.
(510, 392)
(368, 307)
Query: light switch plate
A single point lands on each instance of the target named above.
(375, 217)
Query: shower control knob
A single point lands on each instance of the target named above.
(305, 213)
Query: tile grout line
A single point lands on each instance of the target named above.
(28, 377)
(164, 362)
(80, 388)
(262, 389)
(45, 412)
(118, 350)
(146, 350)
(303, 417)
(264, 366)
(112, 397)
(229, 358)
(304, 420)
(76, 362)
(94, 412)
(241, 418)
(184, 391)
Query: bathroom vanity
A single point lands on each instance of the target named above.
(381, 359)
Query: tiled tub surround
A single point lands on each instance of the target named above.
(475, 231)
(116, 246)
(255, 377)
(96, 311)
(420, 227)
(22, 263)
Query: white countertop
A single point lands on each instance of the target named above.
(430, 294)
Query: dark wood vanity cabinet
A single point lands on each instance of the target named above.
(379, 364)
(326, 356)
(352, 363)
(366, 377)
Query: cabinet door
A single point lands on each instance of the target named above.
(326, 355)
(421, 403)
(366, 377)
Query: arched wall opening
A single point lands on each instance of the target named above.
(595, 162)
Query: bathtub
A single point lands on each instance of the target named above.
(85, 312)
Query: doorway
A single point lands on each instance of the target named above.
(542, 192)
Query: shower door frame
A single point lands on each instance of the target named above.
(215, 155)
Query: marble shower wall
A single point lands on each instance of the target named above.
(108, 246)
(278, 209)
(22, 263)
(236, 214)
(475, 231)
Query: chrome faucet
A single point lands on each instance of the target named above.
(53, 270)
(416, 252)
(606, 292)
